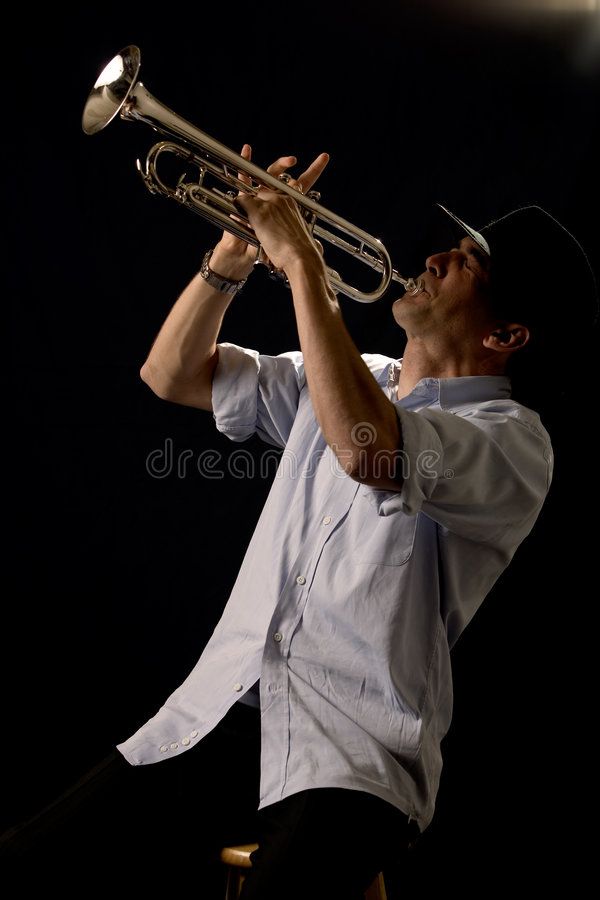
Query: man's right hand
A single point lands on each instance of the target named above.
(234, 258)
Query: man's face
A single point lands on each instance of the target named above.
(453, 299)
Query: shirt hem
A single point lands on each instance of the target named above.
(357, 784)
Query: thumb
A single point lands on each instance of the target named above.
(240, 202)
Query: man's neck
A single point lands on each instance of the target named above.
(419, 361)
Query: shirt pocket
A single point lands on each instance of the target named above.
(384, 540)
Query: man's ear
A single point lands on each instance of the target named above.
(507, 338)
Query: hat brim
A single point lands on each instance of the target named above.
(477, 237)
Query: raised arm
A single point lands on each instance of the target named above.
(347, 400)
(184, 355)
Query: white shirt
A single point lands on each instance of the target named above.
(349, 598)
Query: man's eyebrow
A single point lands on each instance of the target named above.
(481, 257)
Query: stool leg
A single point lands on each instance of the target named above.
(376, 890)
(232, 891)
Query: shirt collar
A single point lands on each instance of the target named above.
(451, 392)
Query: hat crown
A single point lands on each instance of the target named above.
(533, 258)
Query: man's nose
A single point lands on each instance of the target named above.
(437, 264)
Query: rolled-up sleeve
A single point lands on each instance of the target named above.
(476, 473)
(254, 393)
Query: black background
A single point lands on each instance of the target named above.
(117, 578)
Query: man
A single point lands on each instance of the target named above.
(404, 489)
(403, 492)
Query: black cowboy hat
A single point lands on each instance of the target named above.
(535, 262)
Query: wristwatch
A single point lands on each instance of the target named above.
(225, 285)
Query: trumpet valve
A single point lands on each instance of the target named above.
(309, 216)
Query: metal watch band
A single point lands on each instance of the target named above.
(224, 285)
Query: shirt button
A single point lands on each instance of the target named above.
(237, 686)
(326, 520)
(194, 733)
(185, 741)
(278, 636)
(300, 579)
(164, 748)
(174, 746)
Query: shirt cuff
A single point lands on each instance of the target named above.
(421, 464)
(234, 391)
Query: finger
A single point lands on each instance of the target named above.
(239, 202)
(245, 203)
(314, 171)
(281, 164)
(296, 184)
(246, 154)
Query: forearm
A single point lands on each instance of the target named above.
(357, 420)
(185, 347)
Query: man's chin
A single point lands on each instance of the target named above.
(408, 302)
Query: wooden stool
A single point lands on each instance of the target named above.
(237, 859)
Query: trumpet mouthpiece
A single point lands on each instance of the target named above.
(412, 286)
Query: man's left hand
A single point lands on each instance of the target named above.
(278, 222)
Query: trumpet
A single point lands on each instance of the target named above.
(222, 173)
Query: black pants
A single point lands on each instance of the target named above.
(160, 826)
